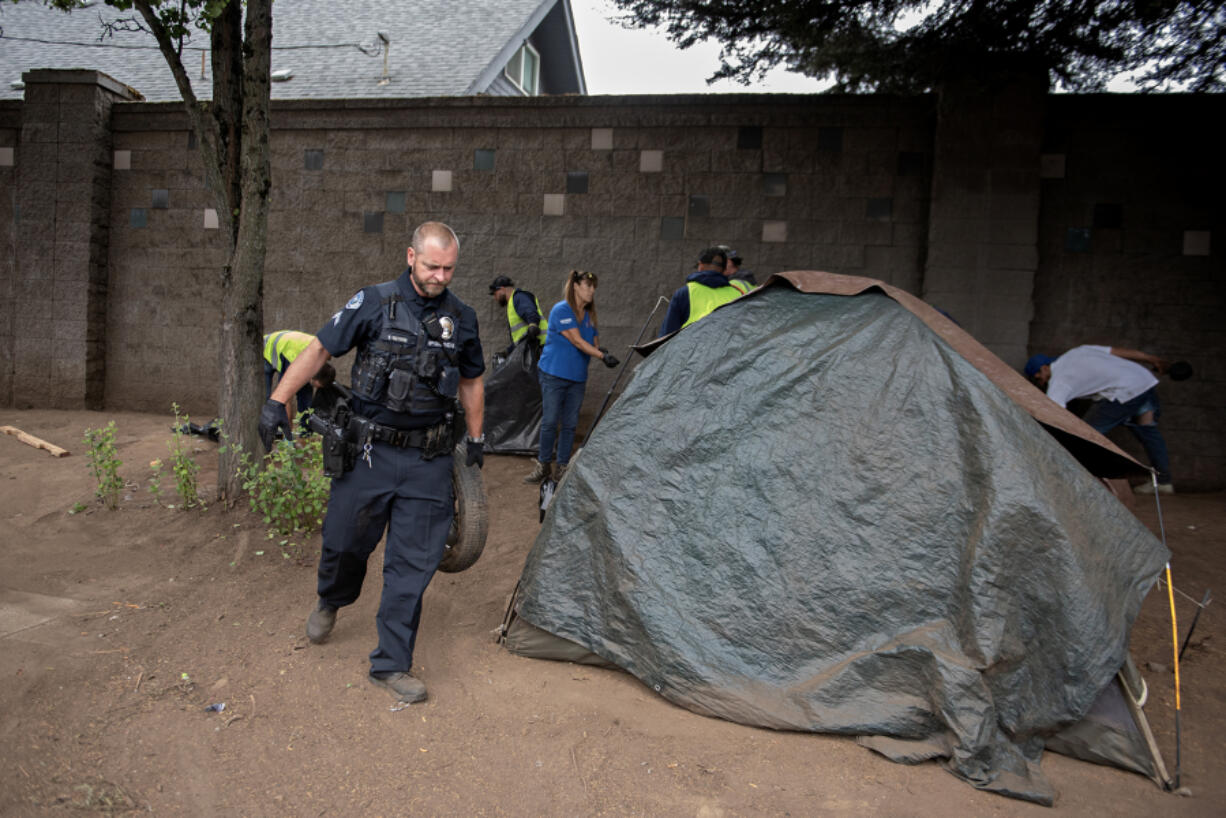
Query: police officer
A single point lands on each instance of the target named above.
(524, 317)
(418, 350)
(705, 289)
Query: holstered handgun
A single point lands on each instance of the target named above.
(339, 452)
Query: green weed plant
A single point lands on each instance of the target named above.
(182, 465)
(155, 481)
(104, 464)
(287, 487)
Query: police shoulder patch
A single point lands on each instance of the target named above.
(356, 301)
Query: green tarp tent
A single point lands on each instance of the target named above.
(824, 507)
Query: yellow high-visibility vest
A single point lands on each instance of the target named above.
(519, 326)
(287, 343)
(704, 299)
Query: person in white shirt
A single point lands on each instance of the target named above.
(1123, 388)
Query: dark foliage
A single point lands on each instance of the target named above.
(906, 46)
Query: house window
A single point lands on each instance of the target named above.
(524, 70)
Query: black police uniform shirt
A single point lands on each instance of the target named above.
(359, 323)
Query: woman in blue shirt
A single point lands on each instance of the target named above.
(569, 347)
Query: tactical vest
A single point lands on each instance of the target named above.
(519, 327)
(286, 344)
(412, 366)
(704, 299)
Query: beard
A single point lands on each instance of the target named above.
(430, 289)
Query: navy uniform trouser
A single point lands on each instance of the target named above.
(411, 499)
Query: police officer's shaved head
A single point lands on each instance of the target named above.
(432, 258)
(438, 231)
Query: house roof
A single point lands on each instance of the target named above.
(434, 47)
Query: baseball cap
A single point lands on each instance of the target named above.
(500, 282)
(1036, 363)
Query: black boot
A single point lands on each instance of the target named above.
(320, 622)
(404, 686)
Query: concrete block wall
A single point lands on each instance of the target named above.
(164, 317)
(10, 135)
(60, 238)
(1037, 223)
(983, 226)
(845, 178)
(1132, 234)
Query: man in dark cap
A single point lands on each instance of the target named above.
(524, 317)
(705, 289)
(734, 271)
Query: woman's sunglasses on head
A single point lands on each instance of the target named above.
(582, 275)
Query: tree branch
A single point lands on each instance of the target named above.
(206, 129)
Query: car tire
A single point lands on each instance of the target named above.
(469, 527)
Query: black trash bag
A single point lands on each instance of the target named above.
(211, 430)
(513, 402)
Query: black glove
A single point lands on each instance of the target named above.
(474, 452)
(274, 423)
(610, 360)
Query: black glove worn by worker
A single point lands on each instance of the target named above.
(610, 360)
(274, 423)
(474, 451)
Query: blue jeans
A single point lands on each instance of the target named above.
(1105, 415)
(560, 403)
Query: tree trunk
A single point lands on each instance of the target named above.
(226, 49)
(242, 323)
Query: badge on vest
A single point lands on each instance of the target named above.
(448, 327)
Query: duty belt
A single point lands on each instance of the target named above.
(405, 438)
(433, 441)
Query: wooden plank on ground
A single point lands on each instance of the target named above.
(36, 442)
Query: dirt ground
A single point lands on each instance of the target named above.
(117, 629)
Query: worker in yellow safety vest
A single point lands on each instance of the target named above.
(524, 317)
(705, 289)
(280, 350)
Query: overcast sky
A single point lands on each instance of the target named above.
(645, 61)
